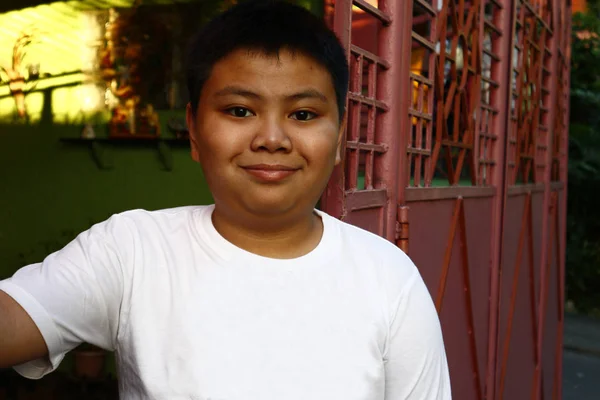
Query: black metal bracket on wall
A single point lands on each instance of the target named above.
(103, 158)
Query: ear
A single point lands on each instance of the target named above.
(190, 118)
(341, 141)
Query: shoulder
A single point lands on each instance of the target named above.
(172, 214)
(132, 225)
(361, 241)
(376, 255)
(168, 217)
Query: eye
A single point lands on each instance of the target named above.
(239, 112)
(303, 115)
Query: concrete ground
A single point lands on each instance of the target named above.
(581, 359)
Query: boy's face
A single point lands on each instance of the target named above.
(266, 132)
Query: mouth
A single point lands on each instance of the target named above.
(270, 172)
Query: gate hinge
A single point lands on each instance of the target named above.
(402, 228)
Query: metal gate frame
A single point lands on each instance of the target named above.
(484, 100)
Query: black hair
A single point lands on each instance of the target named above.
(267, 26)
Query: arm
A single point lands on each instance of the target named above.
(415, 359)
(73, 296)
(21, 340)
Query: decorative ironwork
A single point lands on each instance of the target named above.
(360, 192)
(422, 79)
(453, 80)
(529, 129)
(457, 88)
(561, 121)
(491, 93)
(362, 145)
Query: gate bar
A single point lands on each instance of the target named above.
(501, 72)
(545, 238)
(389, 87)
(332, 199)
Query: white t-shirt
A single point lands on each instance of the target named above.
(192, 316)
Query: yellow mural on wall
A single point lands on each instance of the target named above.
(63, 50)
(66, 37)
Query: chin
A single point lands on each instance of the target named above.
(268, 209)
(270, 206)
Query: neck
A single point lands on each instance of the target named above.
(276, 236)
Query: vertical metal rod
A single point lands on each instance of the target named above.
(392, 49)
(501, 71)
(403, 89)
(475, 89)
(546, 209)
(332, 200)
(564, 196)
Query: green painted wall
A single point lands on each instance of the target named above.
(50, 191)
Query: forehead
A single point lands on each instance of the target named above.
(283, 71)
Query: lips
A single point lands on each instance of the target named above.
(270, 172)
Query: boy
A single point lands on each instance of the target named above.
(258, 296)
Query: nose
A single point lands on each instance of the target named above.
(272, 136)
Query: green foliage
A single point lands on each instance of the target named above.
(583, 209)
(585, 52)
(583, 218)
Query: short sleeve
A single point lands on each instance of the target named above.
(74, 295)
(414, 356)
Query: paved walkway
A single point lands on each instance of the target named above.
(582, 334)
(581, 359)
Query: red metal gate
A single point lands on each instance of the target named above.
(456, 150)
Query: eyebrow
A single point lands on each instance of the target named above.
(308, 94)
(239, 91)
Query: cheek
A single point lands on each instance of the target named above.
(219, 139)
(320, 149)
